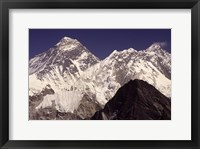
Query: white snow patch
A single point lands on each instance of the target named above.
(65, 101)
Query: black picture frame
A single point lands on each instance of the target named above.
(5, 5)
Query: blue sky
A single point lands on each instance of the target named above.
(101, 42)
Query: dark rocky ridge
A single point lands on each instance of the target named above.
(136, 100)
(87, 107)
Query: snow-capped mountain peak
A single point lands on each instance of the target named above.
(67, 44)
(155, 47)
(113, 54)
(122, 54)
(131, 50)
(60, 66)
(65, 40)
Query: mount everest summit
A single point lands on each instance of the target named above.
(69, 79)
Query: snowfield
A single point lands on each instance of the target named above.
(65, 101)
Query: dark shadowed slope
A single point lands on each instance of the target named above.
(136, 100)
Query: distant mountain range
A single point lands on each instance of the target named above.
(72, 81)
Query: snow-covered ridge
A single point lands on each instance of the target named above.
(70, 68)
(121, 66)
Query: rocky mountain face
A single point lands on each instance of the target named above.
(85, 110)
(69, 82)
(136, 100)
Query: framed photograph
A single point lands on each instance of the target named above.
(103, 74)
